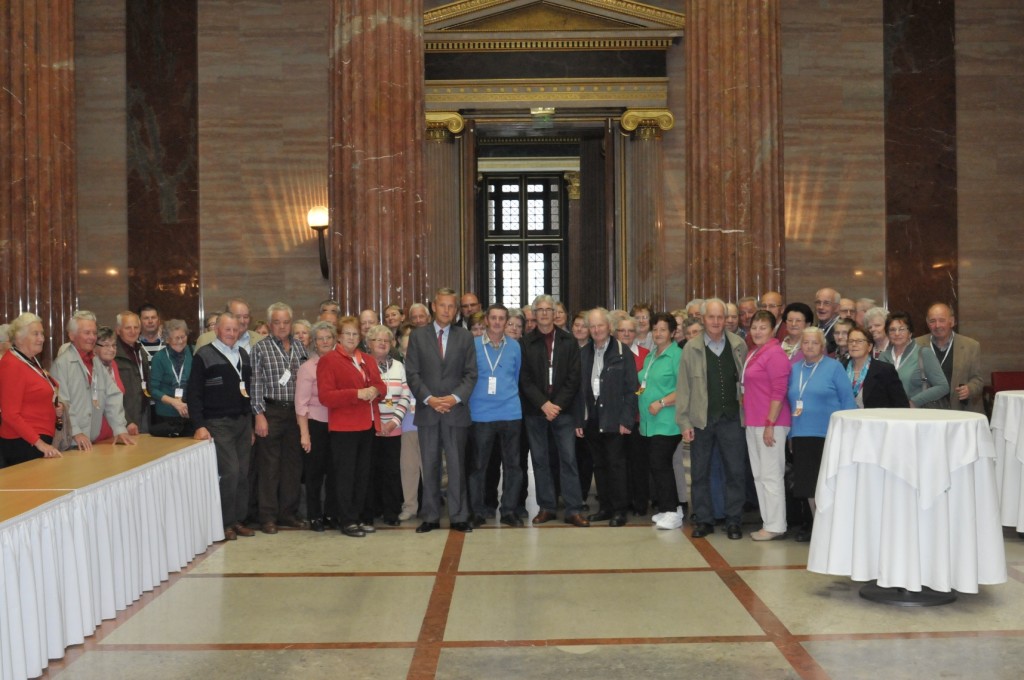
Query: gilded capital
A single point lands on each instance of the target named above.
(441, 125)
(572, 180)
(647, 123)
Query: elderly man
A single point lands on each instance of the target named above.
(275, 366)
(133, 367)
(238, 308)
(151, 337)
(441, 370)
(219, 406)
(87, 388)
(548, 385)
(959, 356)
(732, 318)
(747, 307)
(529, 319)
(693, 308)
(330, 310)
(605, 413)
(826, 309)
(469, 304)
(419, 315)
(708, 412)
(863, 305)
(847, 309)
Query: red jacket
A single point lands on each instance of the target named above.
(26, 401)
(338, 382)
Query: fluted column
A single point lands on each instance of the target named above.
(375, 176)
(38, 239)
(643, 219)
(734, 199)
(443, 200)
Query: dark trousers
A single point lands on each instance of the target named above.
(493, 479)
(638, 470)
(524, 465)
(485, 436)
(232, 438)
(279, 463)
(451, 440)
(585, 467)
(608, 452)
(386, 479)
(319, 469)
(15, 451)
(660, 449)
(351, 454)
(727, 433)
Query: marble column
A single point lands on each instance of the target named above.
(38, 228)
(443, 201)
(644, 207)
(375, 171)
(734, 198)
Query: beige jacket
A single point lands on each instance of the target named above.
(692, 385)
(966, 371)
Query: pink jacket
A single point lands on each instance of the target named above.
(766, 379)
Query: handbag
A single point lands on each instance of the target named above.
(62, 437)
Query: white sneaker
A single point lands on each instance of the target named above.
(671, 520)
(657, 517)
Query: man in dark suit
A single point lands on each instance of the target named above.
(441, 369)
(606, 410)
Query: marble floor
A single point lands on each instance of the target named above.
(549, 602)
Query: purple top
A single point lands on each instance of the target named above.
(307, 400)
(765, 379)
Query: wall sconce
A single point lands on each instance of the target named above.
(319, 218)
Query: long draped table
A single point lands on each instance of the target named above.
(83, 536)
(908, 497)
(1008, 433)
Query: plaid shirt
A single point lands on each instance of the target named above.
(269, 362)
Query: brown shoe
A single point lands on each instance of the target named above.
(269, 528)
(577, 520)
(292, 523)
(229, 534)
(243, 530)
(543, 516)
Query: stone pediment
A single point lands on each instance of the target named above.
(548, 16)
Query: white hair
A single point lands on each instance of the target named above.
(18, 328)
(279, 307)
(709, 301)
(79, 315)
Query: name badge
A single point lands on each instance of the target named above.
(241, 388)
(143, 385)
(799, 407)
(285, 377)
(551, 375)
(179, 393)
(596, 386)
(492, 385)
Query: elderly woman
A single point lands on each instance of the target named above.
(840, 333)
(641, 313)
(314, 435)
(579, 329)
(168, 380)
(796, 316)
(28, 396)
(692, 328)
(393, 318)
(349, 385)
(211, 321)
(680, 316)
(106, 352)
(818, 387)
(515, 324)
(764, 384)
(875, 383)
(920, 372)
(874, 324)
(638, 470)
(302, 330)
(386, 473)
(561, 316)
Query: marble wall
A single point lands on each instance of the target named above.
(263, 102)
(990, 168)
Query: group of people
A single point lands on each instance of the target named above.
(378, 416)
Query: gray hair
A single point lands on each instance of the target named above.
(330, 303)
(544, 298)
(279, 307)
(601, 311)
(835, 298)
(79, 315)
(515, 312)
(705, 303)
(627, 317)
(748, 298)
(123, 316)
(419, 305)
(302, 322)
(879, 313)
(226, 315)
(379, 331)
(18, 328)
(696, 302)
(172, 325)
(817, 332)
(323, 326)
(865, 302)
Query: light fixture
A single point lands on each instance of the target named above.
(318, 219)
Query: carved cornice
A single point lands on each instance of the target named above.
(548, 44)
(640, 11)
(654, 15)
(457, 9)
(441, 125)
(630, 93)
(647, 123)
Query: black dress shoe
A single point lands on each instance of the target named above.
(618, 520)
(803, 536)
(511, 520)
(464, 527)
(477, 520)
(317, 525)
(702, 530)
(427, 526)
(392, 522)
(353, 530)
(734, 532)
(602, 516)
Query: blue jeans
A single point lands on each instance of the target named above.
(732, 444)
(507, 432)
(564, 431)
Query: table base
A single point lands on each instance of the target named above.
(901, 597)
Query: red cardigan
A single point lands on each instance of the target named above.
(338, 380)
(26, 401)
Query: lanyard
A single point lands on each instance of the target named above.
(178, 374)
(803, 385)
(746, 362)
(238, 368)
(291, 353)
(494, 364)
(945, 355)
(33, 363)
(858, 380)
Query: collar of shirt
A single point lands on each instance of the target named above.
(949, 341)
(244, 339)
(232, 353)
(131, 350)
(438, 328)
(717, 346)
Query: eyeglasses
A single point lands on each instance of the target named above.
(538, 310)
(857, 341)
(349, 334)
(898, 329)
(102, 345)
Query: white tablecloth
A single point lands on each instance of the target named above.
(1007, 423)
(908, 497)
(72, 562)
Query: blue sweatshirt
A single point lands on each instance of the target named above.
(826, 391)
(506, 361)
